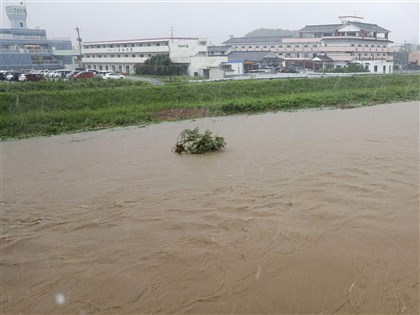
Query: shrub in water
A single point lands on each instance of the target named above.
(191, 141)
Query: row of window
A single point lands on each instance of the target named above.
(28, 37)
(22, 10)
(153, 44)
(120, 56)
(298, 46)
(360, 45)
(272, 46)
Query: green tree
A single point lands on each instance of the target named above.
(159, 60)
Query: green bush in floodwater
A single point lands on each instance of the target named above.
(191, 141)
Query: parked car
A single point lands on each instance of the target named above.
(288, 70)
(44, 72)
(35, 77)
(3, 75)
(57, 74)
(22, 77)
(101, 73)
(84, 75)
(111, 75)
(72, 73)
(13, 76)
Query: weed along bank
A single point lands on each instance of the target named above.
(46, 108)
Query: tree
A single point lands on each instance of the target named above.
(159, 65)
(159, 60)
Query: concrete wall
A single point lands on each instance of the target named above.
(200, 62)
(237, 67)
(379, 67)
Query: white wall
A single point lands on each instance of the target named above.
(237, 67)
(379, 66)
(180, 50)
(200, 62)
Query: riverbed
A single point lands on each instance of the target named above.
(302, 212)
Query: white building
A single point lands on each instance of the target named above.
(122, 55)
(347, 42)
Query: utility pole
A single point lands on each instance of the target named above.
(172, 34)
(80, 41)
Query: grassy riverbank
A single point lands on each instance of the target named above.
(46, 108)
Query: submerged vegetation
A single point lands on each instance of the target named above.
(46, 108)
(192, 141)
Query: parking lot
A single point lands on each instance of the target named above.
(60, 74)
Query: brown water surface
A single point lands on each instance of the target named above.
(303, 212)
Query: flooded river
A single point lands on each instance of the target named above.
(303, 212)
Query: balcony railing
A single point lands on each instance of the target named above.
(26, 51)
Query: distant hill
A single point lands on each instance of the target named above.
(272, 32)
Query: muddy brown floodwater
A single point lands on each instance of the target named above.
(303, 212)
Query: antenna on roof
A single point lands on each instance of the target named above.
(350, 18)
(172, 34)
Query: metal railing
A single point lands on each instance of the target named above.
(26, 51)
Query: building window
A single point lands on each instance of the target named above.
(375, 69)
(141, 55)
(106, 67)
(249, 46)
(119, 56)
(100, 67)
(94, 67)
(134, 56)
(126, 56)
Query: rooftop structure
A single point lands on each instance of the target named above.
(348, 28)
(17, 15)
(25, 48)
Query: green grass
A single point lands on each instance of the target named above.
(46, 108)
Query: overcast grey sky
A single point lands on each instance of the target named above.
(213, 20)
